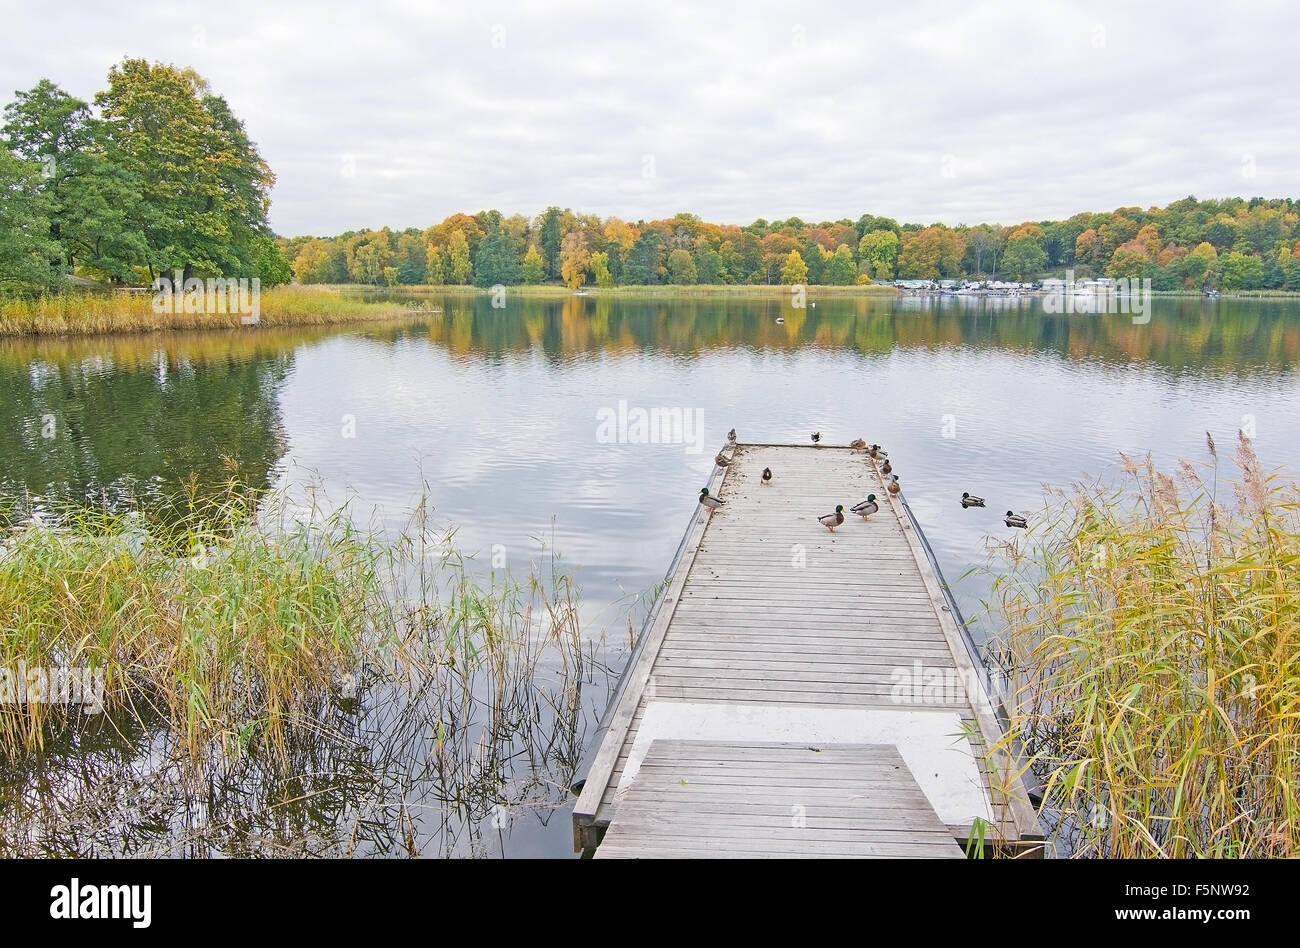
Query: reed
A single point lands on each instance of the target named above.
(77, 313)
(1152, 648)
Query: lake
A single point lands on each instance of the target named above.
(512, 419)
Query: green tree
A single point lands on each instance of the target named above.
(534, 266)
(1024, 258)
(681, 268)
(203, 186)
(600, 269)
(794, 270)
(840, 268)
(549, 235)
(496, 261)
(878, 249)
(642, 267)
(25, 245)
(1240, 271)
(90, 194)
(708, 265)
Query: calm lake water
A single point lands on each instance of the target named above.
(498, 412)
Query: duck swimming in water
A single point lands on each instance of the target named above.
(1013, 519)
(970, 500)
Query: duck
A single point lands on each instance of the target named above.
(816, 437)
(866, 508)
(893, 486)
(780, 320)
(767, 477)
(832, 520)
(1014, 519)
(721, 460)
(731, 436)
(970, 500)
(857, 444)
(709, 501)
(875, 452)
(886, 468)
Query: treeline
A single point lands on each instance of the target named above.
(157, 175)
(1231, 244)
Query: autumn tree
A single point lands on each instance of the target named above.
(681, 268)
(534, 266)
(459, 269)
(574, 259)
(794, 270)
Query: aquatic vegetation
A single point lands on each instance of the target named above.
(1152, 648)
(279, 680)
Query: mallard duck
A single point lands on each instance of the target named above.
(816, 436)
(832, 520)
(767, 477)
(893, 486)
(866, 508)
(1014, 519)
(886, 468)
(857, 444)
(721, 460)
(970, 500)
(709, 501)
(731, 436)
(875, 452)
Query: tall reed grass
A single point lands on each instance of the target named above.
(1152, 643)
(96, 313)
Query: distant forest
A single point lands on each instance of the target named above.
(158, 175)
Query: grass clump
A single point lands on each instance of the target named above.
(1152, 646)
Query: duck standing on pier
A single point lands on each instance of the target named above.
(767, 477)
(721, 460)
(731, 436)
(886, 468)
(893, 487)
(832, 520)
(857, 444)
(866, 508)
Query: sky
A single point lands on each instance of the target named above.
(399, 112)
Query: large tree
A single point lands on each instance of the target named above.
(204, 189)
(25, 245)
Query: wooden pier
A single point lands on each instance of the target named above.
(798, 692)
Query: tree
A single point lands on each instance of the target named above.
(600, 269)
(320, 261)
(1024, 258)
(840, 268)
(931, 253)
(794, 270)
(88, 193)
(681, 268)
(204, 188)
(496, 262)
(411, 258)
(269, 263)
(25, 245)
(709, 268)
(878, 249)
(980, 243)
(642, 267)
(574, 259)
(460, 271)
(534, 266)
(549, 236)
(435, 266)
(1240, 271)
(1198, 266)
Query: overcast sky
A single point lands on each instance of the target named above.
(400, 113)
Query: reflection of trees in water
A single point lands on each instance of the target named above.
(1225, 334)
(139, 417)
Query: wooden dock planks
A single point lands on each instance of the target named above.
(697, 799)
(768, 611)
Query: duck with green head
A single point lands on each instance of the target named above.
(1013, 519)
(832, 520)
(708, 501)
(866, 508)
